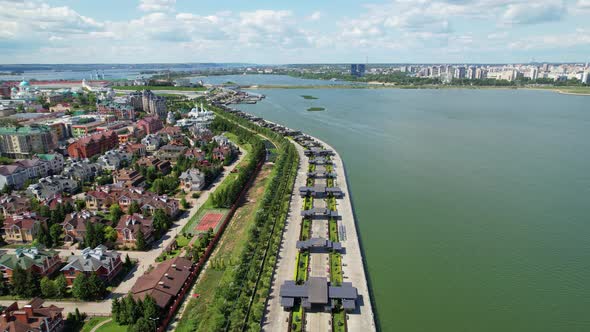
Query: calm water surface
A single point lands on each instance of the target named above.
(473, 205)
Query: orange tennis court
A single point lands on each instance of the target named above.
(209, 220)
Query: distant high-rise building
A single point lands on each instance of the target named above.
(357, 70)
(459, 72)
(545, 67)
(480, 73)
(471, 73)
(586, 77)
(534, 74)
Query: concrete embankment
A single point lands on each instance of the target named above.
(353, 265)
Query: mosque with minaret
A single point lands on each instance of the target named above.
(24, 91)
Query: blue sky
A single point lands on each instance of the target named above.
(305, 31)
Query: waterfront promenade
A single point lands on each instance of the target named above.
(352, 261)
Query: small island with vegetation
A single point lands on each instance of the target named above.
(309, 97)
(316, 109)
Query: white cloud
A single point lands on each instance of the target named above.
(534, 12)
(315, 16)
(157, 5)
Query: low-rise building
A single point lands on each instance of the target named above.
(105, 263)
(33, 317)
(152, 142)
(161, 166)
(114, 159)
(14, 203)
(128, 178)
(82, 170)
(170, 152)
(166, 283)
(22, 227)
(75, 223)
(192, 180)
(150, 124)
(38, 260)
(51, 186)
(129, 227)
(92, 145)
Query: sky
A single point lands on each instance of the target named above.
(303, 31)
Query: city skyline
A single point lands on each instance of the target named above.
(445, 31)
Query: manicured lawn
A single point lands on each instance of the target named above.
(112, 326)
(297, 319)
(333, 230)
(92, 322)
(330, 182)
(335, 269)
(310, 182)
(338, 320)
(302, 264)
(305, 229)
(308, 203)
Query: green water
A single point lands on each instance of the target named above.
(473, 205)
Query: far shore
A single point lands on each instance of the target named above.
(374, 85)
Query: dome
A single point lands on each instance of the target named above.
(24, 83)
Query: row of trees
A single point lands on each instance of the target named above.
(141, 316)
(225, 196)
(88, 288)
(200, 246)
(239, 299)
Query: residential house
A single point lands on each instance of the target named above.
(82, 171)
(97, 200)
(162, 166)
(50, 186)
(152, 142)
(37, 260)
(221, 140)
(166, 283)
(14, 203)
(128, 178)
(33, 317)
(16, 174)
(74, 225)
(150, 124)
(130, 225)
(170, 152)
(192, 180)
(22, 227)
(135, 149)
(114, 159)
(195, 154)
(170, 133)
(105, 263)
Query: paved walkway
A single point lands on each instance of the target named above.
(352, 261)
(100, 324)
(275, 318)
(144, 258)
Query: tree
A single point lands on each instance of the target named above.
(48, 288)
(19, 282)
(161, 221)
(150, 308)
(140, 241)
(61, 286)
(115, 212)
(96, 287)
(110, 234)
(184, 204)
(43, 236)
(133, 208)
(80, 205)
(80, 287)
(128, 262)
(143, 325)
(55, 233)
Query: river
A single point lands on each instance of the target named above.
(472, 205)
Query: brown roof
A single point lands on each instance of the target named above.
(164, 282)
